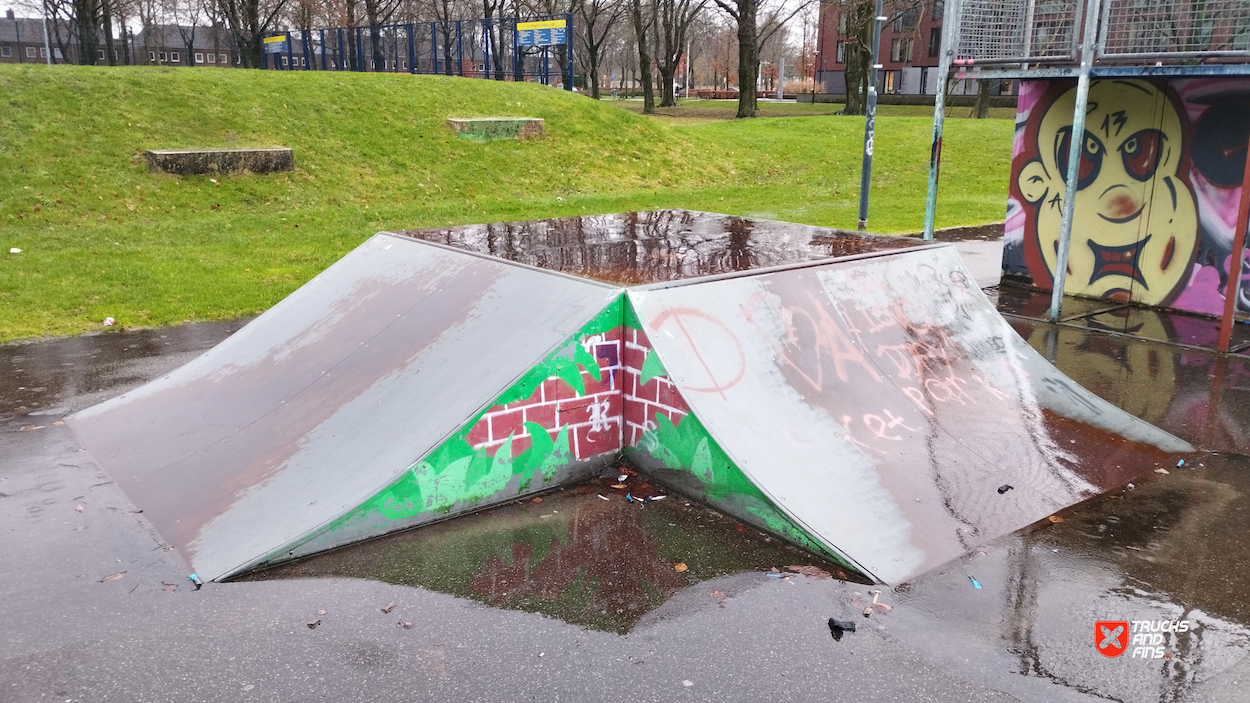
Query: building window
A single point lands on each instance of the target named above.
(30, 52)
(164, 57)
(43, 52)
(283, 60)
(906, 21)
(212, 58)
(935, 41)
(842, 20)
(841, 53)
(199, 57)
(6, 51)
(101, 53)
(151, 56)
(890, 83)
(939, 8)
(900, 50)
(173, 57)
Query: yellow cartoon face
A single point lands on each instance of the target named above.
(1135, 225)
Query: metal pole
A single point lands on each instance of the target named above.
(47, 43)
(1233, 290)
(865, 177)
(322, 48)
(516, 52)
(434, 48)
(1076, 149)
(460, 46)
(290, 52)
(568, 51)
(412, 48)
(950, 44)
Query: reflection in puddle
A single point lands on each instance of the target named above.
(602, 564)
(634, 248)
(1171, 549)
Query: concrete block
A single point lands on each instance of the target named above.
(484, 129)
(186, 162)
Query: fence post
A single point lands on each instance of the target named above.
(360, 52)
(321, 46)
(309, 61)
(460, 46)
(516, 52)
(568, 40)
(340, 57)
(546, 76)
(412, 49)
(290, 53)
(486, 49)
(434, 48)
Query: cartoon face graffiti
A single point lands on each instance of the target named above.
(1135, 225)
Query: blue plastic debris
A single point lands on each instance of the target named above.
(1180, 463)
(975, 583)
(196, 580)
(629, 497)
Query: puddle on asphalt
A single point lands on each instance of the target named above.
(601, 564)
(1171, 549)
(635, 248)
(84, 370)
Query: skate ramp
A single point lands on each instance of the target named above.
(328, 396)
(881, 403)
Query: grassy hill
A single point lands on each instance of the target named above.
(101, 236)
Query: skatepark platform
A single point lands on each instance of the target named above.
(855, 395)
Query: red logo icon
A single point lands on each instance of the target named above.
(1111, 636)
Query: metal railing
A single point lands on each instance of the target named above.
(474, 48)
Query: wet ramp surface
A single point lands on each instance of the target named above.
(882, 404)
(334, 391)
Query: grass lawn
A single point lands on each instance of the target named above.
(101, 236)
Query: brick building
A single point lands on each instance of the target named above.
(22, 41)
(166, 45)
(910, 48)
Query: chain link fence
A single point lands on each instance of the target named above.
(1048, 31)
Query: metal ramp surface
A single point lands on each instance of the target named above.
(882, 402)
(867, 408)
(328, 396)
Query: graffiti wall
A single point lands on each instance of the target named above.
(1157, 192)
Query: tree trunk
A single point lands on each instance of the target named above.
(594, 74)
(644, 61)
(448, 55)
(982, 108)
(350, 6)
(668, 97)
(88, 40)
(109, 52)
(748, 57)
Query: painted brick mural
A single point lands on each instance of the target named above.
(592, 414)
(646, 388)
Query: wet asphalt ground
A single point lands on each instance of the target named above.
(96, 608)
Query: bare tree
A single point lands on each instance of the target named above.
(859, 19)
(675, 17)
(598, 19)
(249, 21)
(187, 15)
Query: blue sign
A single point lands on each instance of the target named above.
(546, 33)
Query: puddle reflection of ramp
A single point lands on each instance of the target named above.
(881, 403)
(867, 409)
